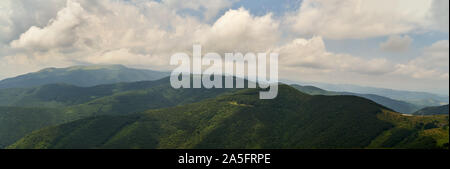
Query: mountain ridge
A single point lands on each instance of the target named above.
(435, 110)
(83, 76)
(399, 106)
(422, 99)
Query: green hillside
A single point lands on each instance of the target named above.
(396, 105)
(82, 76)
(242, 120)
(433, 110)
(61, 95)
(413, 132)
(311, 90)
(58, 103)
(15, 122)
(134, 101)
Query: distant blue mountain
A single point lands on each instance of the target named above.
(396, 105)
(83, 76)
(433, 110)
(421, 99)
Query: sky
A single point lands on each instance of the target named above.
(398, 44)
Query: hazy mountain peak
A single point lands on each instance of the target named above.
(97, 67)
(89, 75)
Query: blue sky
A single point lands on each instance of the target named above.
(262, 7)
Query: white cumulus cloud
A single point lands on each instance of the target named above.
(357, 19)
(433, 64)
(145, 33)
(396, 43)
(58, 33)
(237, 30)
(312, 54)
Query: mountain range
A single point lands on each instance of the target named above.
(131, 113)
(83, 76)
(88, 76)
(420, 99)
(435, 110)
(241, 120)
(396, 105)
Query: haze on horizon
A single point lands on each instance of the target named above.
(401, 44)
